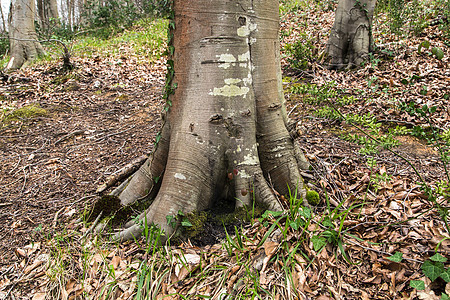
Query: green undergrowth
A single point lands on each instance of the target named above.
(146, 39)
(413, 17)
(373, 136)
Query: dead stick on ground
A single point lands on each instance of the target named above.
(122, 173)
(55, 219)
(69, 135)
(93, 226)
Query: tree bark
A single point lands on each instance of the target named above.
(23, 39)
(3, 19)
(48, 13)
(225, 133)
(350, 39)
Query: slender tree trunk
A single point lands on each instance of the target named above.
(53, 9)
(225, 132)
(43, 22)
(48, 13)
(69, 12)
(23, 41)
(350, 39)
(3, 19)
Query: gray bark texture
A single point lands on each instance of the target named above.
(350, 39)
(48, 13)
(23, 41)
(225, 135)
(3, 20)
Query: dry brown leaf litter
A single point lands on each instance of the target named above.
(106, 113)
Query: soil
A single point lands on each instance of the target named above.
(51, 165)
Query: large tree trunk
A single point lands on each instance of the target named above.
(48, 13)
(23, 40)
(227, 116)
(350, 39)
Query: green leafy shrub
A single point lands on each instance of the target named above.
(300, 53)
(159, 8)
(112, 17)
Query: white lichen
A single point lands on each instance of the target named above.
(230, 91)
(232, 80)
(246, 29)
(180, 176)
(226, 60)
(244, 57)
(249, 160)
(278, 148)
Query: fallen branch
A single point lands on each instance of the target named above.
(69, 135)
(122, 173)
(93, 226)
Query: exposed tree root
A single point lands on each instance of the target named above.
(227, 138)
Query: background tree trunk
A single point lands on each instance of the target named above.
(3, 20)
(23, 41)
(350, 39)
(48, 13)
(225, 134)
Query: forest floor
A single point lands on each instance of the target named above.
(62, 133)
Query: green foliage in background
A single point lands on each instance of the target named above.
(4, 44)
(415, 15)
(111, 17)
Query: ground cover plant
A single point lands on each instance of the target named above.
(377, 228)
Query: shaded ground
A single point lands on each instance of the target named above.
(106, 112)
(97, 119)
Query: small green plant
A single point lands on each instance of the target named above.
(369, 122)
(433, 268)
(374, 61)
(300, 53)
(315, 94)
(332, 229)
(434, 51)
(328, 113)
(179, 218)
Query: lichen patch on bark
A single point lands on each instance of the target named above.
(230, 91)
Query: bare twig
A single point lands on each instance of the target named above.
(382, 252)
(112, 134)
(92, 226)
(15, 167)
(69, 135)
(122, 173)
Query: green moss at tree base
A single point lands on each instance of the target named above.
(312, 197)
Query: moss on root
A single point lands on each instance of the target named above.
(24, 113)
(197, 220)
